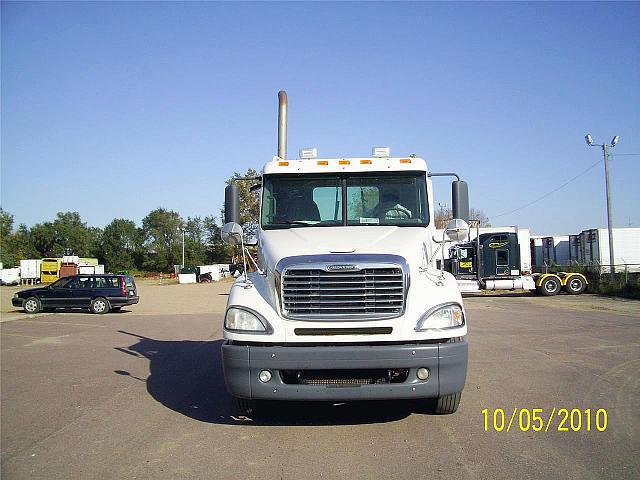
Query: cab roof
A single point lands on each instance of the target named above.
(340, 165)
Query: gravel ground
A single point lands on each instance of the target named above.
(140, 394)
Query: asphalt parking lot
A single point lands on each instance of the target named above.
(139, 394)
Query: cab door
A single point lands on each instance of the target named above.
(467, 260)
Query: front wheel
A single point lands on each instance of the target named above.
(447, 404)
(99, 305)
(31, 305)
(245, 406)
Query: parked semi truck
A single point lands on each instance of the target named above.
(345, 302)
(500, 259)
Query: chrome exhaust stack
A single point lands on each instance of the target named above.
(282, 124)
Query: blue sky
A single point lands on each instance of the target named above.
(114, 109)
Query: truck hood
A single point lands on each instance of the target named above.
(404, 241)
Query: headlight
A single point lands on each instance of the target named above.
(440, 317)
(242, 320)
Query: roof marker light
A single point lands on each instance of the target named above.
(405, 160)
(365, 162)
(322, 162)
(381, 152)
(283, 164)
(344, 162)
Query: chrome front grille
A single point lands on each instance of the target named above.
(376, 292)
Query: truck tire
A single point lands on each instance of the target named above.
(32, 305)
(446, 404)
(575, 285)
(245, 406)
(550, 286)
(99, 305)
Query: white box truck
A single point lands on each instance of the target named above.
(347, 302)
(30, 270)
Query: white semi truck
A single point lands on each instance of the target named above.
(346, 302)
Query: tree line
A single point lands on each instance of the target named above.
(155, 246)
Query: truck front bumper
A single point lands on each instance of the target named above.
(242, 364)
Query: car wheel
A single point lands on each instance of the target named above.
(31, 305)
(550, 286)
(99, 305)
(245, 406)
(446, 404)
(575, 285)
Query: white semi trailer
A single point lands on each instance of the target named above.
(346, 302)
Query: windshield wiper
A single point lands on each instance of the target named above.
(297, 222)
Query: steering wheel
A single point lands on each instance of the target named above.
(403, 213)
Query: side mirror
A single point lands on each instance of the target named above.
(232, 233)
(460, 200)
(457, 230)
(232, 204)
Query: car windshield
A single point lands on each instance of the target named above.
(290, 201)
(60, 283)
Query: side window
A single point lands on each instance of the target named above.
(502, 258)
(83, 283)
(114, 282)
(329, 202)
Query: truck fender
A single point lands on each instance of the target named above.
(540, 278)
(565, 276)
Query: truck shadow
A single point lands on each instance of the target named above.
(186, 376)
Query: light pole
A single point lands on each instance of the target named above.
(181, 229)
(605, 151)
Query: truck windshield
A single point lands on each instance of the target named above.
(356, 199)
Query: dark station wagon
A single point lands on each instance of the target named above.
(98, 293)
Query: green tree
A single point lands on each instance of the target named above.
(121, 245)
(7, 240)
(249, 201)
(217, 251)
(162, 240)
(24, 244)
(43, 238)
(70, 232)
(195, 241)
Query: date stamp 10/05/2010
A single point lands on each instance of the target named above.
(544, 420)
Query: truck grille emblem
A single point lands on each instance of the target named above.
(341, 268)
